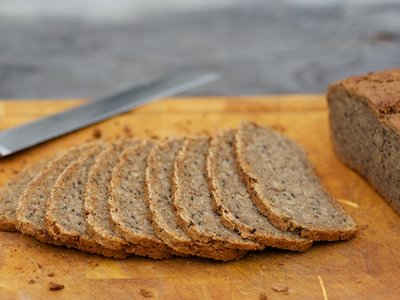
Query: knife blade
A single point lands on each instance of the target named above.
(39, 131)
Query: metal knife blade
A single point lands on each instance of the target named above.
(36, 132)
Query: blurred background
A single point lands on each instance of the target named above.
(74, 49)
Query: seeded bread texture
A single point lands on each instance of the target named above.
(11, 192)
(160, 167)
(193, 203)
(233, 202)
(285, 188)
(128, 209)
(97, 193)
(32, 203)
(65, 216)
(364, 117)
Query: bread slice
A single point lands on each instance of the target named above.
(128, 210)
(193, 203)
(285, 188)
(232, 201)
(32, 203)
(97, 192)
(65, 217)
(10, 193)
(364, 117)
(160, 167)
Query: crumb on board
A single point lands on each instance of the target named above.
(97, 133)
(278, 127)
(32, 281)
(263, 296)
(51, 274)
(364, 227)
(280, 288)
(93, 264)
(145, 293)
(127, 130)
(264, 267)
(39, 266)
(55, 286)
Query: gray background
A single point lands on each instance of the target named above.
(65, 49)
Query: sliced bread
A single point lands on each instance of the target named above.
(160, 167)
(97, 193)
(32, 203)
(65, 216)
(11, 192)
(233, 202)
(193, 202)
(285, 188)
(128, 209)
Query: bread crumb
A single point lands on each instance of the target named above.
(264, 267)
(127, 130)
(32, 281)
(51, 274)
(145, 293)
(97, 133)
(278, 127)
(55, 286)
(364, 227)
(263, 296)
(280, 288)
(39, 266)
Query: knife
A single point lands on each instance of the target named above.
(39, 131)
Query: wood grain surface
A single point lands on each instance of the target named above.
(366, 267)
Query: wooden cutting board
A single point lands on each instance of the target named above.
(366, 267)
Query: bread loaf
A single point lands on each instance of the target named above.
(364, 117)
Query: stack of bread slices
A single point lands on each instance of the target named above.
(241, 190)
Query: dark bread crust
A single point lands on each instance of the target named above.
(364, 117)
(313, 221)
